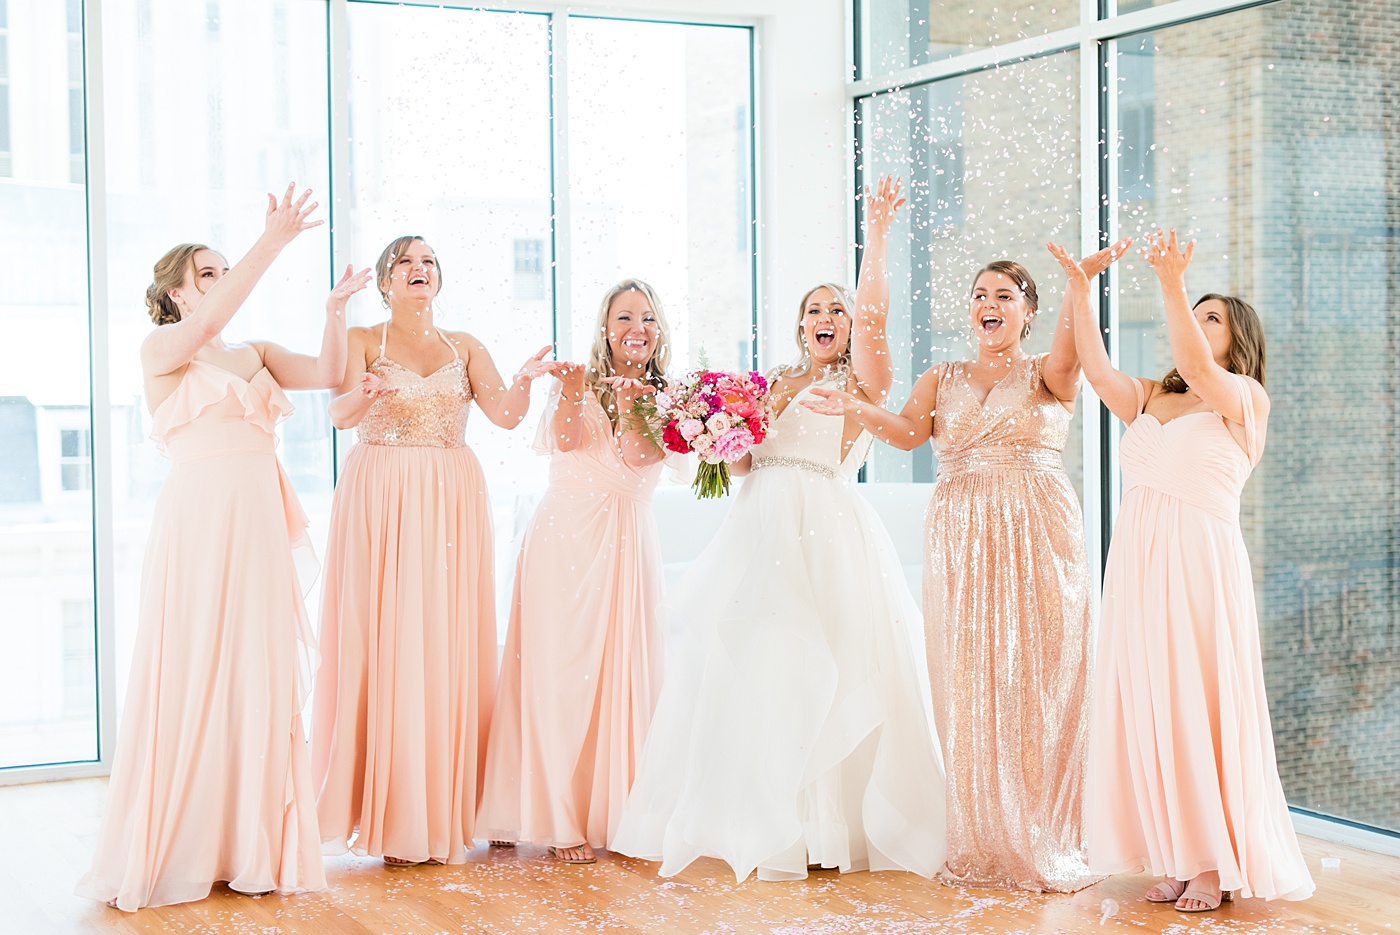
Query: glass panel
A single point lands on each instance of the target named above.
(190, 160)
(961, 146)
(660, 175)
(1274, 145)
(898, 34)
(460, 155)
(48, 710)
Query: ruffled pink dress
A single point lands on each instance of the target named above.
(408, 628)
(582, 665)
(1182, 777)
(211, 779)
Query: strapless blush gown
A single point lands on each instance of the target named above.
(1182, 776)
(1006, 602)
(408, 631)
(211, 780)
(794, 725)
(582, 664)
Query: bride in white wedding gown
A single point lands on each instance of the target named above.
(794, 727)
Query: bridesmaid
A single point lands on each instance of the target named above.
(581, 670)
(211, 781)
(1182, 777)
(1006, 590)
(408, 626)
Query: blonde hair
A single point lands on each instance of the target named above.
(169, 273)
(391, 253)
(848, 302)
(600, 363)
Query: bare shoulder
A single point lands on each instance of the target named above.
(1259, 396)
(465, 344)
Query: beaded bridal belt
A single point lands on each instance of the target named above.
(816, 467)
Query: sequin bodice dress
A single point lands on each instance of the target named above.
(1006, 604)
(428, 412)
(408, 627)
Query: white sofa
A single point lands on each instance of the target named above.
(687, 524)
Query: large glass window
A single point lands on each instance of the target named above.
(48, 710)
(1275, 146)
(992, 173)
(1268, 135)
(659, 167)
(191, 161)
(899, 34)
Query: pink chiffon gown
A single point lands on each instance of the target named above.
(408, 632)
(1182, 776)
(582, 667)
(211, 780)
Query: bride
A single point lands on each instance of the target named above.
(794, 725)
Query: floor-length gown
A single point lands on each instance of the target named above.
(408, 629)
(582, 667)
(211, 779)
(1006, 603)
(1182, 776)
(794, 725)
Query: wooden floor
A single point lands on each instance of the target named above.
(47, 830)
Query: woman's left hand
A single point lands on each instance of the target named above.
(829, 402)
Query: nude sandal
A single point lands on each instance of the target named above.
(1167, 885)
(554, 852)
(1212, 902)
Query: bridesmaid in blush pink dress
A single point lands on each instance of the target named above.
(1006, 591)
(1182, 777)
(581, 670)
(408, 617)
(211, 780)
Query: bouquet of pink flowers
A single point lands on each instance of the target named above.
(719, 416)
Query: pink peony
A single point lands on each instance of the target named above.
(689, 428)
(734, 444)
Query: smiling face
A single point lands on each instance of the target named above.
(999, 311)
(825, 326)
(206, 268)
(408, 271)
(1214, 318)
(634, 331)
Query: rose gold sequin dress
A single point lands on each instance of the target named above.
(1182, 776)
(1006, 604)
(408, 632)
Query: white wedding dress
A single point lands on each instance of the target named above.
(794, 726)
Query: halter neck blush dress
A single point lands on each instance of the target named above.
(408, 634)
(794, 726)
(211, 780)
(582, 663)
(1182, 775)
(1006, 603)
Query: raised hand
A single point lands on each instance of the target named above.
(1167, 259)
(1074, 272)
(829, 402)
(1096, 263)
(287, 218)
(351, 283)
(374, 388)
(570, 376)
(536, 366)
(884, 204)
(628, 386)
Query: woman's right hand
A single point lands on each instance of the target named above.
(884, 204)
(374, 388)
(287, 218)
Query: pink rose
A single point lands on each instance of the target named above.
(718, 424)
(690, 428)
(705, 449)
